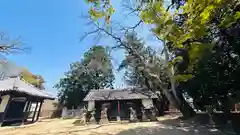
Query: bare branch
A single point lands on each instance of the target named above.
(133, 9)
(88, 33)
(172, 4)
(8, 46)
(132, 28)
(108, 31)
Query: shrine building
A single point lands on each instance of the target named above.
(118, 101)
(20, 102)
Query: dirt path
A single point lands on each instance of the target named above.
(66, 127)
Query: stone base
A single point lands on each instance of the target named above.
(153, 118)
(144, 118)
(118, 118)
(133, 120)
(92, 120)
(79, 122)
(103, 121)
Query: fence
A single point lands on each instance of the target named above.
(72, 112)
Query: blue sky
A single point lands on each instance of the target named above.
(52, 29)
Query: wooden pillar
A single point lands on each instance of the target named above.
(119, 112)
(39, 111)
(5, 110)
(26, 111)
(35, 111)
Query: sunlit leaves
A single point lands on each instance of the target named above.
(237, 15)
(183, 78)
(229, 19)
(35, 80)
(194, 27)
(95, 14)
(101, 9)
(111, 10)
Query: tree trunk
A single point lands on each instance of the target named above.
(227, 110)
(176, 97)
(185, 108)
(172, 100)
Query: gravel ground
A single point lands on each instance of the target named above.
(166, 126)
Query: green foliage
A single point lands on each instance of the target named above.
(216, 71)
(203, 40)
(195, 18)
(216, 79)
(143, 66)
(94, 71)
(101, 9)
(35, 80)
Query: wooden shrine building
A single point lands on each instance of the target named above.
(20, 102)
(119, 101)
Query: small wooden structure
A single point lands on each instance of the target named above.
(121, 103)
(20, 102)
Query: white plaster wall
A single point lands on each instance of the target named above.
(33, 106)
(64, 112)
(4, 102)
(91, 105)
(147, 103)
(38, 107)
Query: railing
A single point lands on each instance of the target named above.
(72, 113)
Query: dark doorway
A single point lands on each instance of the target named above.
(15, 112)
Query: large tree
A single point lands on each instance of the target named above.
(189, 34)
(135, 53)
(152, 70)
(216, 74)
(142, 74)
(94, 71)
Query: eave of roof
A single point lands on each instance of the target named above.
(119, 94)
(21, 86)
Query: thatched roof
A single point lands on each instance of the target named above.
(120, 94)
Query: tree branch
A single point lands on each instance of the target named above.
(8, 46)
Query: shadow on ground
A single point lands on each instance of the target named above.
(168, 131)
(165, 126)
(176, 127)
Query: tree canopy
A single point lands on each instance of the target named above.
(93, 71)
(199, 37)
(142, 63)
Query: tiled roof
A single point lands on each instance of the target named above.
(120, 94)
(21, 86)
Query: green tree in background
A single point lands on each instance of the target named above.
(93, 71)
(10, 69)
(142, 64)
(35, 80)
